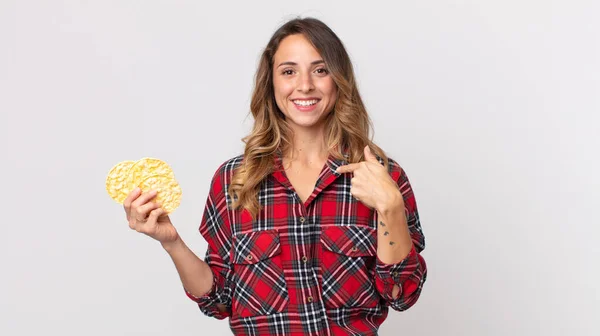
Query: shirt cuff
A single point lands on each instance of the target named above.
(404, 274)
(208, 302)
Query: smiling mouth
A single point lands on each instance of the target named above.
(305, 103)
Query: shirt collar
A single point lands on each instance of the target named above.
(328, 177)
(332, 162)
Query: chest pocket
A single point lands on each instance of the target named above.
(348, 261)
(260, 287)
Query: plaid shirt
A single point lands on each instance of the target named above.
(305, 269)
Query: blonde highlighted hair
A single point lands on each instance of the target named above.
(348, 127)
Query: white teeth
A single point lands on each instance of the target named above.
(305, 102)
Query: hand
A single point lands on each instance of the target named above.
(371, 183)
(148, 217)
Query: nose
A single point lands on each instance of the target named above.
(305, 83)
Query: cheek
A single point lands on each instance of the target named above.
(276, 87)
(334, 93)
(281, 86)
(281, 90)
(328, 88)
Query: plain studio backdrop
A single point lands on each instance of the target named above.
(492, 107)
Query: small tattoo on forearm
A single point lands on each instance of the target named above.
(392, 243)
(386, 233)
(381, 223)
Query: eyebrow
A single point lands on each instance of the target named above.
(294, 63)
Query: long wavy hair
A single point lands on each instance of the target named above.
(348, 127)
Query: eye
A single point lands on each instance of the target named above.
(287, 72)
(322, 71)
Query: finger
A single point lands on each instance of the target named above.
(348, 168)
(143, 211)
(356, 186)
(132, 196)
(154, 214)
(143, 198)
(362, 168)
(369, 156)
(356, 195)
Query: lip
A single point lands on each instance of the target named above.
(306, 108)
(307, 98)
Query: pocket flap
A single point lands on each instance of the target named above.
(252, 247)
(352, 241)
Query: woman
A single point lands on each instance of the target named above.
(313, 230)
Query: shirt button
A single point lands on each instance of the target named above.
(354, 249)
(394, 274)
(249, 257)
(301, 219)
(304, 259)
(309, 299)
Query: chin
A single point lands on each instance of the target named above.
(304, 121)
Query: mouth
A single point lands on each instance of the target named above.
(305, 102)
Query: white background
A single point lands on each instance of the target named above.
(492, 107)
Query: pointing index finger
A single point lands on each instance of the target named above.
(347, 168)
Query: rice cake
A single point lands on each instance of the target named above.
(168, 190)
(146, 167)
(146, 173)
(116, 180)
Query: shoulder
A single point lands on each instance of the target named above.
(394, 166)
(396, 170)
(223, 174)
(399, 176)
(225, 169)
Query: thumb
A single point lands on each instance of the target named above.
(369, 156)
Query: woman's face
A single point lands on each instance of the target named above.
(304, 90)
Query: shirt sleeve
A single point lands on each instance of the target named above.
(215, 229)
(410, 273)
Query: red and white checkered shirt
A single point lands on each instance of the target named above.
(305, 269)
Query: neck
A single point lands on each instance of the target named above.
(308, 146)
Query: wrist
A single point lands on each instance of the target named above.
(173, 245)
(394, 203)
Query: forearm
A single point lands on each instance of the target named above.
(195, 274)
(393, 236)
